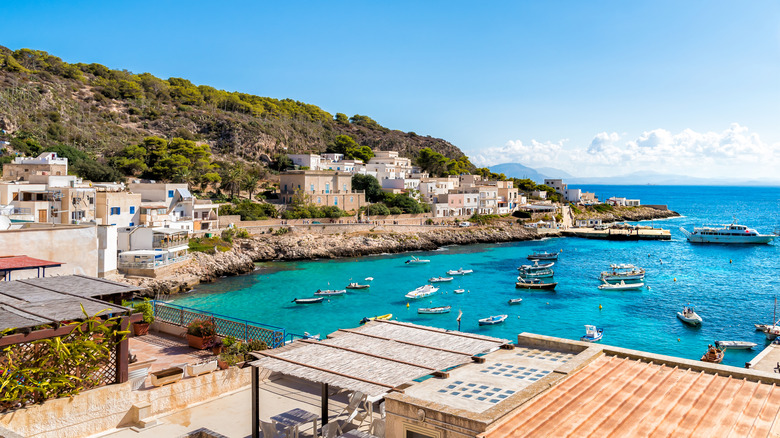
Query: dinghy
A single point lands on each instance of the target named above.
(459, 291)
(735, 345)
(434, 310)
(515, 300)
(621, 286)
(460, 271)
(491, 320)
(592, 334)
(330, 292)
(440, 279)
(688, 316)
(358, 286)
(416, 261)
(308, 300)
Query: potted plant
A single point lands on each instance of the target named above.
(215, 345)
(145, 308)
(226, 360)
(200, 332)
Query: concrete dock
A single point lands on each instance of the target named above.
(767, 360)
(620, 233)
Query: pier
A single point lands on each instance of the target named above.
(768, 360)
(634, 233)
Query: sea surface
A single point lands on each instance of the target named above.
(731, 286)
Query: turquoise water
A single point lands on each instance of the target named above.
(731, 287)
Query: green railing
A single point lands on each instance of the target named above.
(226, 326)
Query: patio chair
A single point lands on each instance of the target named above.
(273, 430)
(377, 428)
(330, 430)
(353, 409)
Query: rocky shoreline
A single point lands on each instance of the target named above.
(301, 245)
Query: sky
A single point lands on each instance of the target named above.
(594, 88)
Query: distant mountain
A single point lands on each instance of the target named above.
(517, 170)
(655, 178)
(551, 172)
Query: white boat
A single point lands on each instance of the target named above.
(536, 274)
(735, 345)
(515, 300)
(440, 279)
(329, 292)
(369, 278)
(422, 292)
(732, 233)
(491, 320)
(358, 286)
(434, 310)
(416, 261)
(460, 271)
(621, 286)
(308, 300)
(536, 266)
(623, 272)
(592, 334)
(688, 316)
(771, 331)
(459, 291)
(542, 255)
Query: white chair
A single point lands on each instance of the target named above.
(330, 430)
(137, 377)
(377, 428)
(272, 430)
(353, 409)
(382, 409)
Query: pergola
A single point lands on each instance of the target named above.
(9, 264)
(373, 359)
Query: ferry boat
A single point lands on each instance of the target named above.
(623, 272)
(422, 292)
(732, 233)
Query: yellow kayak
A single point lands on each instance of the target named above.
(385, 317)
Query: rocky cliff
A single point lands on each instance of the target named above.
(627, 214)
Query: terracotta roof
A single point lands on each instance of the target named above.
(12, 263)
(621, 397)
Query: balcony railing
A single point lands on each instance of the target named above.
(152, 264)
(159, 244)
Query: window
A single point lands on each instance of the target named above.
(345, 187)
(77, 215)
(327, 187)
(312, 188)
(132, 210)
(132, 224)
(319, 200)
(351, 199)
(170, 193)
(335, 201)
(115, 210)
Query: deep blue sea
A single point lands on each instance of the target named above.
(731, 287)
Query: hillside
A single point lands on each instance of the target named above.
(101, 111)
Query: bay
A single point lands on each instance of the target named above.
(731, 286)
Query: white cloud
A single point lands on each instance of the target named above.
(733, 152)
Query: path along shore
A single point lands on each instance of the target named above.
(304, 243)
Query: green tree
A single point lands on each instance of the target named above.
(281, 163)
(370, 185)
(342, 119)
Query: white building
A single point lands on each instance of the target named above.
(150, 248)
(570, 195)
(312, 161)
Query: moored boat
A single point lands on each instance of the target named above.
(491, 320)
(386, 316)
(621, 286)
(422, 292)
(358, 286)
(416, 261)
(308, 300)
(369, 279)
(534, 283)
(713, 355)
(688, 316)
(434, 310)
(330, 292)
(459, 291)
(535, 266)
(536, 274)
(440, 279)
(623, 272)
(515, 300)
(592, 334)
(732, 233)
(735, 345)
(542, 255)
(460, 271)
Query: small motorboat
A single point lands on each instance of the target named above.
(735, 345)
(308, 300)
(534, 283)
(330, 292)
(621, 286)
(440, 279)
(358, 286)
(422, 292)
(771, 332)
(592, 334)
(713, 355)
(434, 310)
(623, 272)
(688, 316)
(416, 261)
(515, 300)
(369, 279)
(491, 320)
(536, 274)
(459, 291)
(542, 255)
(535, 267)
(460, 271)
(380, 317)
(307, 335)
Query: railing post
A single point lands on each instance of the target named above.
(246, 332)
(181, 317)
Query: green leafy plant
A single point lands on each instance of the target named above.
(202, 328)
(60, 366)
(145, 307)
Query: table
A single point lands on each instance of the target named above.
(295, 418)
(354, 433)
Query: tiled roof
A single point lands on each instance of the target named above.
(12, 263)
(619, 397)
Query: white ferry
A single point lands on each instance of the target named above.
(732, 233)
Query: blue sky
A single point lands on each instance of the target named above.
(594, 88)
